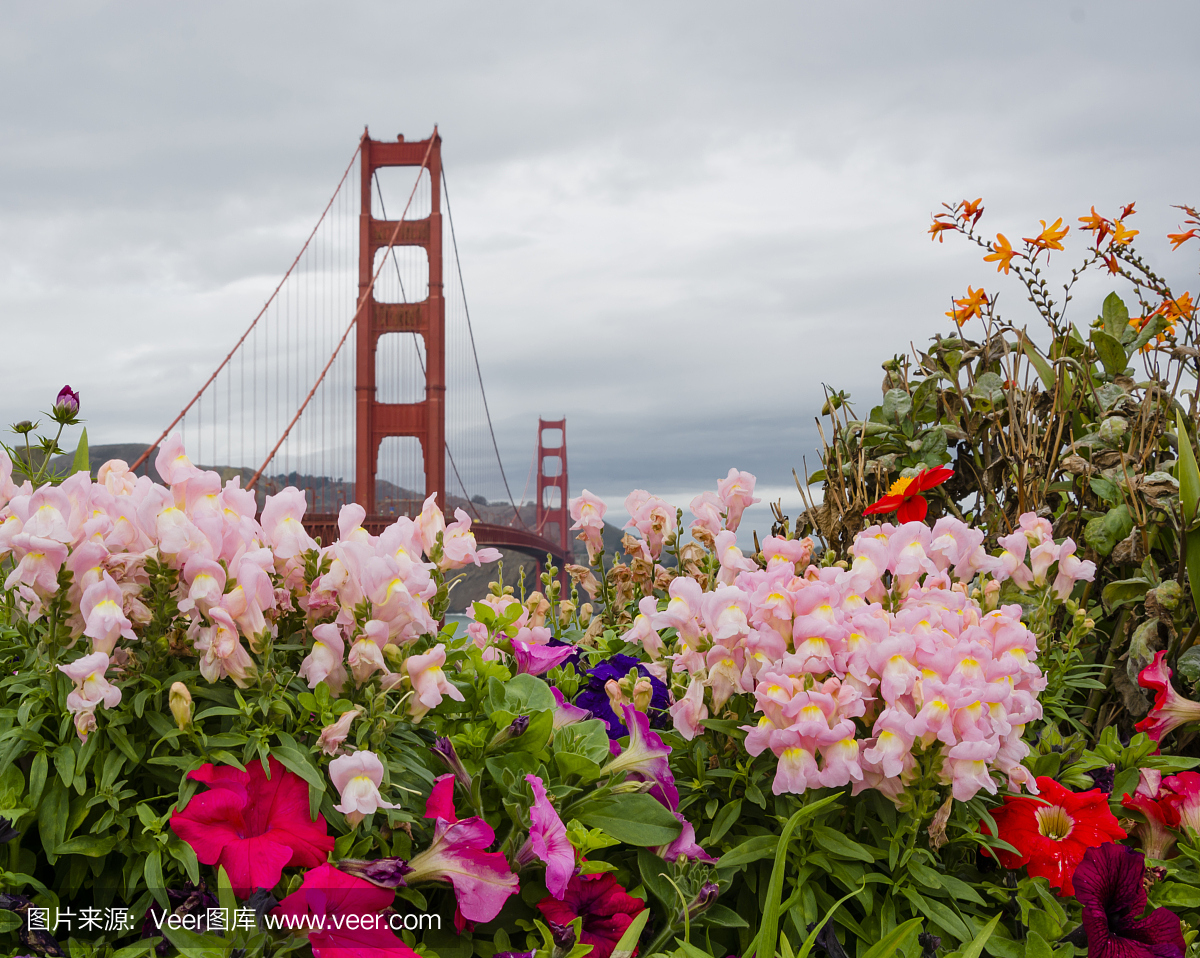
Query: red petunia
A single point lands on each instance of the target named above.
(1052, 832)
(331, 897)
(252, 826)
(606, 908)
(904, 497)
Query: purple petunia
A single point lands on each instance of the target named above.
(595, 699)
(1109, 885)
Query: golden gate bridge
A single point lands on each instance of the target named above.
(359, 380)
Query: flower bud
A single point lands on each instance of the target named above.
(516, 729)
(585, 614)
(566, 609)
(643, 691)
(991, 595)
(564, 939)
(23, 427)
(704, 900)
(443, 748)
(616, 697)
(66, 405)
(181, 705)
(385, 872)
(393, 656)
(537, 607)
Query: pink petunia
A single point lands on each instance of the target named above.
(548, 841)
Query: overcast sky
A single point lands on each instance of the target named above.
(685, 216)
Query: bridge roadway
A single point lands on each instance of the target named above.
(325, 527)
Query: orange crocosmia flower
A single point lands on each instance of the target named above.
(1050, 237)
(1111, 262)
(1178, 239)
(1002, 254)
(1127, 210)
(1095, 222)
(938, 227)
(971, 210)
(1121, 235)
(971, 305)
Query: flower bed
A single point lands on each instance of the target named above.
(220, 737)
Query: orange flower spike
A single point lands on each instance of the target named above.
(1002, 254)
(970, 306)
(1121, 235)
(1178, 239)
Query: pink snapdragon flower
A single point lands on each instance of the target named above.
(689, 710)
(104, 620)
(429, 523)
(709, 512)
(731, 558)
(482, 880)
(357, 778)
(223, 652)
(588, 512)
(91, 691)
(737, 492)
(429, 681)
(332, 736)
(642, 632)
(282, 523)
(564, 712)
(459, 547)
(547, 841)
(534, 657)
(653, 517)
(1071, 569)
(1170, 708)
(324, 662)
(366, 654)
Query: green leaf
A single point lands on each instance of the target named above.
(974, 949)
(64, 763)
(137, 949)
(154, 878)
(751, 850)
(296, 761)
(1037, 947)
(52, 817)
(10, 921)
(628, 943)
(80, 463)
(1117, 594)
(1149, 331)
(1104, 532)
(90, 845)
(1110, 351)
(1115, 316)
(897, 404)
(838, 844)
(724, 820)
(1188, 473)
(939, 914)
(193, 945)
(635, 819)
(1044, 370)
(723, 917)
(886, 946)
(1106, 489)
(1178, 894)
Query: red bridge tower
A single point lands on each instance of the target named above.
(552, 517)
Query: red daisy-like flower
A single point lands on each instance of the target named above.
(252, 826)
(606, 908)
(1052, 831)
(904, 497)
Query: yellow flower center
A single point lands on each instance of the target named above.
(900, 486)
(1054, 822)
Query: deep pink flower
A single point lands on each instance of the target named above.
(684, 845)
(607, 910)
(548, 841)
(1183, 795)
(535, 659)
(644, 759)
(1170, 708)
(1109, 885)
(66, 404)
(482, 880)
(335, 895)
(252, 826)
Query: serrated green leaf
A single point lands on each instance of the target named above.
(1112, 354)
(1115, 316)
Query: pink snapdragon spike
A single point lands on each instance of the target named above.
(1170, 708)
(332, 736)
(331, 896)
(645, 758)
(252, 826)
(588, 512)
(548, 842)
(482, 880)
(91, 691)
(429, 682)
(357, 778)
(653, 517)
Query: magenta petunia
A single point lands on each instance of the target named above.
(332, 895)
(548, 841)
(252, 826)
(1109, 883)
(606, 908)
